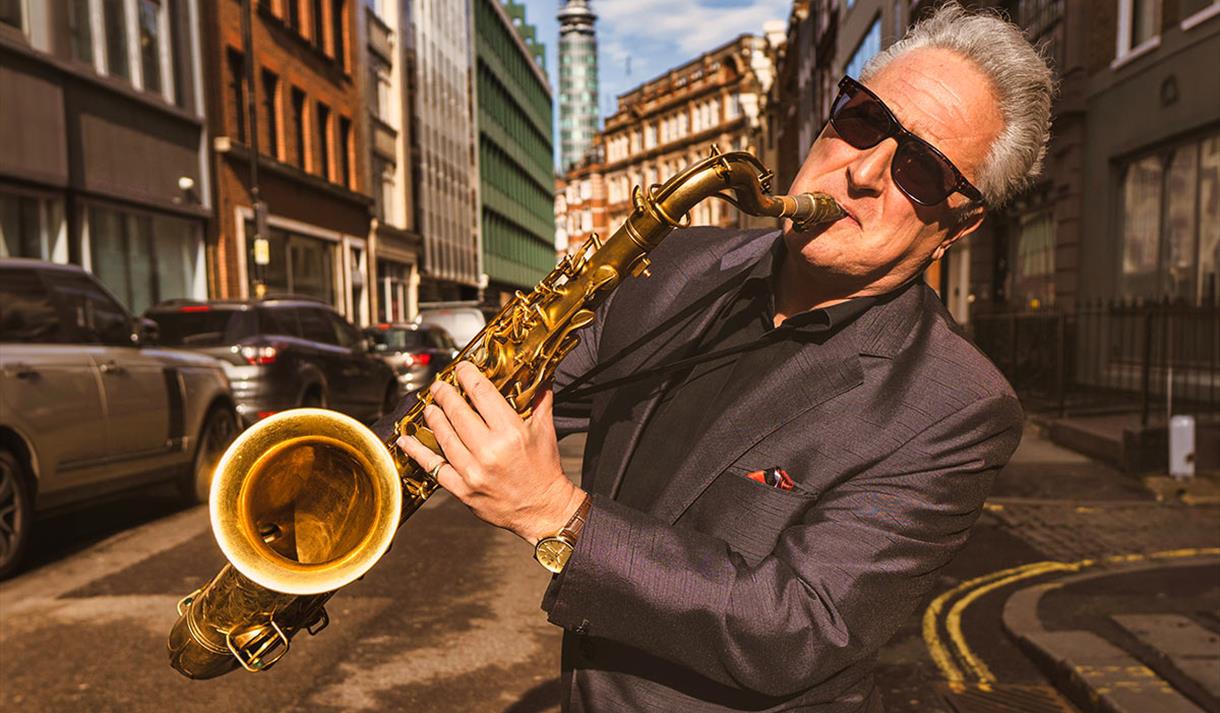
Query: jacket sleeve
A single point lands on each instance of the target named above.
(572, 415)
(837, 586)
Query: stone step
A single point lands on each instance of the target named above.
(1099, 676)
(1184, 644)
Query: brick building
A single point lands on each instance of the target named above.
(312, 173)
(669, 122)
(580, 203)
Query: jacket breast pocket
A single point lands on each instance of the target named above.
(748, 515)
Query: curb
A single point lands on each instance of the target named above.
(1093, 673)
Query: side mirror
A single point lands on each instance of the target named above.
(146, 333)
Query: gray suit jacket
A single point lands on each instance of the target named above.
(729, 595)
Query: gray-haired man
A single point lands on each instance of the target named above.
(760, 525)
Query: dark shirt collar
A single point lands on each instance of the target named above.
(762, 277)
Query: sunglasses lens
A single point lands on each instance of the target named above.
(921, 174)
(859, 119)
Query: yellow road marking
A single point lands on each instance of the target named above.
(972, 589)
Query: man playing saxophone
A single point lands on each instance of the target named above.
(753, 525)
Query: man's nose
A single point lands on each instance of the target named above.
(868, 173)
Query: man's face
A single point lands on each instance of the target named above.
(887, 238)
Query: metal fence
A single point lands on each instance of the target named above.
(1156, 358)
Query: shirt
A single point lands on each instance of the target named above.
(698, 394)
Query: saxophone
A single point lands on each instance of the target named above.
(306, 501)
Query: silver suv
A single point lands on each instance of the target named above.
(88, 406)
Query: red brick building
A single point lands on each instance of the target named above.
(311, 170)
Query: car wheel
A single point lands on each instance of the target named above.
(219, 430)
(15, 513)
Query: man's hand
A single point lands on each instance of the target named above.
(505, 469)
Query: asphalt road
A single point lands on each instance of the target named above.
(450, 620)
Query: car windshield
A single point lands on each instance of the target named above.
(396, 340)
(202, 327)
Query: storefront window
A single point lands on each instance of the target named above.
(145, 259)
(300, 265)
(1035, 275)
(1170, 218)
(32, 227)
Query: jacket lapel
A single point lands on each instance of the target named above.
(818, 373)
(642, 398)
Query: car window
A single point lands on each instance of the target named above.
(27, 313)
(395, 340)
(278, 320)
(316, 326)
(345, 334)
(202, 326)
(93, 314)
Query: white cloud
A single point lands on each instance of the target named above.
(693, 26)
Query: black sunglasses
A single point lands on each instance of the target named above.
(921, 172)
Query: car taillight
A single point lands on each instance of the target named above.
(259, 356)
(418, 359)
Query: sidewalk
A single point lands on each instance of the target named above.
(1134, 624)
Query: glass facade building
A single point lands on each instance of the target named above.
(578, 90)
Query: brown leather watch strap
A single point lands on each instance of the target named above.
(577, 523)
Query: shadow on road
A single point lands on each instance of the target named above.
(62, 533)
(540, 698)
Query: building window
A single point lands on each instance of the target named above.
(271, 93)
(80, 31)
(12, 13)
(116, 38)
(1035, 265)
(319, 26)
(146, 259)
(343, 151)
(150, 44)
(337, 13)
(299, 264)
(323, 142)
(292, 14)
(868, 47)
(298, 125)
(32, 227)
(1138, 25)
(237, 94)
(1170, 217)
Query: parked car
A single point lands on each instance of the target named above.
(416, 352)
(462, 322)
(89, 405)
(283, 353)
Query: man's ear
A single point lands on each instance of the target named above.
(968, 222)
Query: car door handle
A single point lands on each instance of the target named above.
(22, 371)
(110, 367)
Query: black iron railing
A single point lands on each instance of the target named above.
(1157, 358)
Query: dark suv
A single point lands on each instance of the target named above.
(282, 353)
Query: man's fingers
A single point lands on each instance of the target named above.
(491, 404)
(455, 450)
(468, 424)
(541, 419)
(447, 475)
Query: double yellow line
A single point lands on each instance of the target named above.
(946, 656)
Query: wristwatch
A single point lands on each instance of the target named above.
(553, 552)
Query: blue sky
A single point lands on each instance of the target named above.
(640, 39)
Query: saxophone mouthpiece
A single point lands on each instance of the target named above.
(810, 209)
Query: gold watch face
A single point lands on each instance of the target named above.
(553, 553)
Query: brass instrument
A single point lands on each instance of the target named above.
(306, 501)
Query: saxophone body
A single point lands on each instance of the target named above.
(306, 501)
